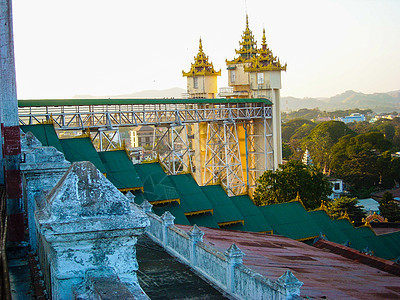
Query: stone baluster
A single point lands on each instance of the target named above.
(167, 221)
(290, 284)
(195, 236)
(234, 257)
(146, 206)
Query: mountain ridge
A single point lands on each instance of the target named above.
(378, 102)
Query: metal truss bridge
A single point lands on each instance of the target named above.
(227, 141)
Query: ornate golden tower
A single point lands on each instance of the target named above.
(265, 82)
(256, 73)
(237, 76)
(202, 78)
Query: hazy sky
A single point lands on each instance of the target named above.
(102, 47)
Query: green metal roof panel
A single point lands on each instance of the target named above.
(328, 227)
(82, 149)
(45, 133)
(192, 197)
(224, 210)
(380, 248)
(205, 220)
(139, 197)
(391, 241)
(175, 209)
(157, 185)
(120, 170)
(75, 102)
(253, 218)
(291, 220)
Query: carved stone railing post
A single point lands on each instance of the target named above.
(195, 236)
(290, 284)
(131, 197)
(167, 221)
(146, 206)
(234, 257)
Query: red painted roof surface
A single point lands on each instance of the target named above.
(324, 274)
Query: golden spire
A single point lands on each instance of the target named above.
(265, 60)
(201, 66)
(248, 46)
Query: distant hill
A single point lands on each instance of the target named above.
(378, 102)
(168, 93)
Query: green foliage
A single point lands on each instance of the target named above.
(294, 177)
(286, 151)
(322, 138)
(313, 114)
(389, 208)
(304, 113)
(359, 161)
(291, 127)
(337, 208)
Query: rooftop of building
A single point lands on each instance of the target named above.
(325, 275)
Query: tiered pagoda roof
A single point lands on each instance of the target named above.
(248, 46)
(265, 60)
(201, 66)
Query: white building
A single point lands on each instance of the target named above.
(355, 117)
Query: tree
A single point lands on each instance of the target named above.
(362, 162)
(294, 177)
(322, 138)
(290, 127)
(337, 208)
(389, 208)
(286, 151)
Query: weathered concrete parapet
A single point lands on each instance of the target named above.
(87, 224)
(41, 169)
(29, 141)
(104, 284)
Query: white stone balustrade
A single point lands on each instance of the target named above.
(225, 270)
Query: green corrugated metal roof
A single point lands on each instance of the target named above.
(175, 209)
(75, 102)
(224, 210)
(45, 133)
(82, 149)
(139, 197)
(391, 241)
(360, 237)
(120, 170)
(157, 185)
(328, 227)
(205, 220)
(253, 218)
(192, 197)
(291, 220)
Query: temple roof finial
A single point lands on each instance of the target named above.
(201, 65)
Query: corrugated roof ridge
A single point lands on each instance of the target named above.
(353, 254)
